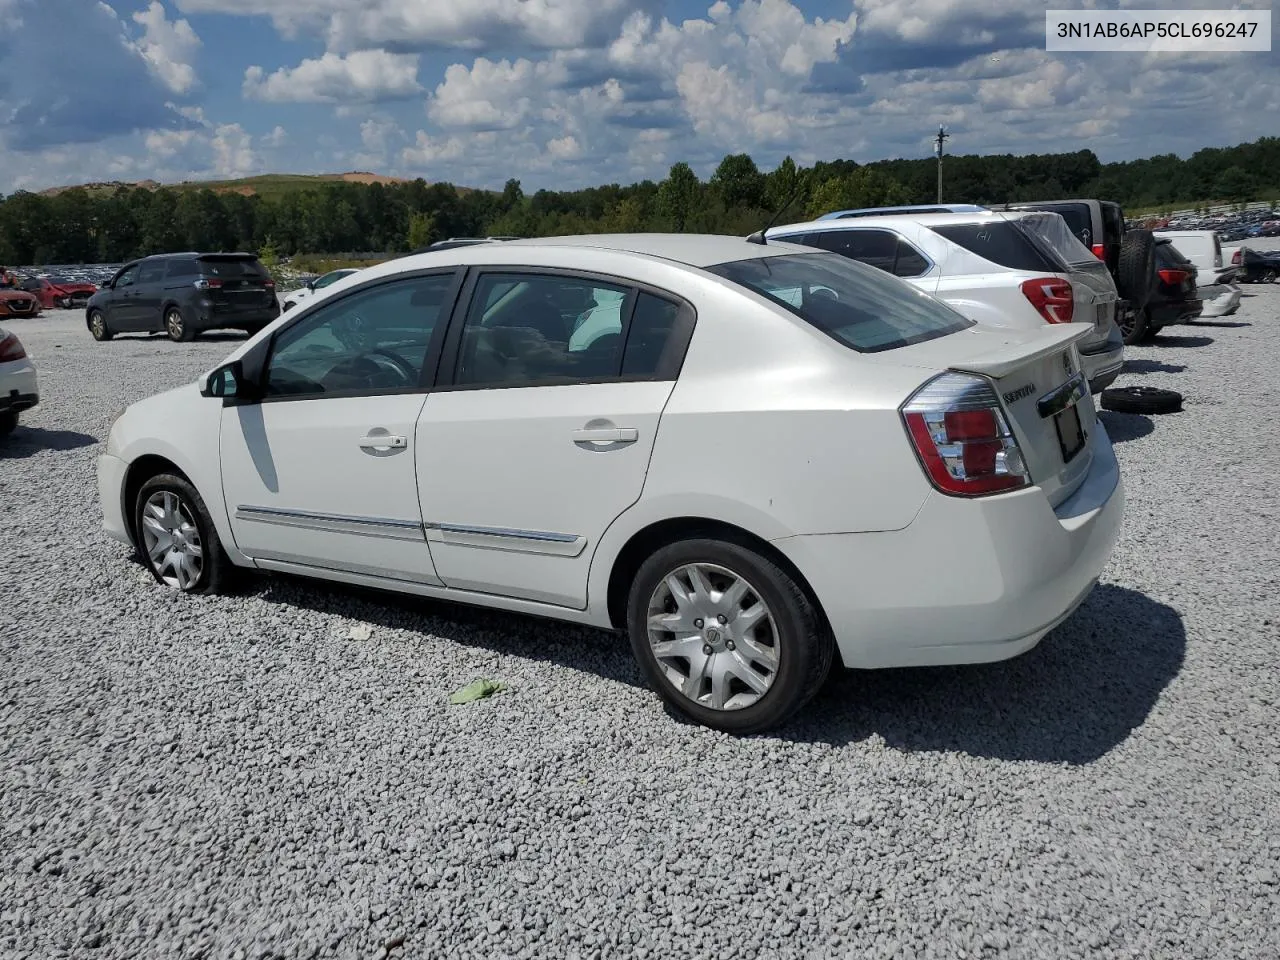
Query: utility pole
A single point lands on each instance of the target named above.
(938, 141)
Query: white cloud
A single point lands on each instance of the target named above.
(276, 139)
(376, 132)
(167, 47)
(233, 154)
(365, 76)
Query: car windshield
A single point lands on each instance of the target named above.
(860, 306)
(232, 267)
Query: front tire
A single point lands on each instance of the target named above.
(98, 326)
(176, 327)
(176, 537)
(726, 636)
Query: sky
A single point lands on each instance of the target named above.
(568, 93)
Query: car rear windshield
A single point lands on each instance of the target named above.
(1078, 216)
(232, 267)
(1167, 253)
(1052, 230)
(1002, 242)
(860, 306)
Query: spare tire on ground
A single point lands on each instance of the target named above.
(1136, 270)
(1141, 400)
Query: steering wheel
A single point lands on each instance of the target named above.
(826, 293)
(394, 359)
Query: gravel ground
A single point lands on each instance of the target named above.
(244, 777)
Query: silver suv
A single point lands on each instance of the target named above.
(1016, 269)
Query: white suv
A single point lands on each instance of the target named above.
(1007, 269)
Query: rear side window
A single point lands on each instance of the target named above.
(230, 267)
(862, 308)
(1001, 242)
(882, 249)
(183, 268)
(151, 271)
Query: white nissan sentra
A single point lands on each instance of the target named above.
(750, 457)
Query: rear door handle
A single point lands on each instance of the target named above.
(383, 441)
(606, 435)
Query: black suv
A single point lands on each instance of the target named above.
(1130, 254)
(182, 294)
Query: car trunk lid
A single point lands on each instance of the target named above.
(237, 283)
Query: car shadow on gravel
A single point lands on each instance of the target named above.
(1167, 340)
(28, 441)
(493, 631)
(1152, 366)
(1221, 323)
(1079, 694)
(1123, 427)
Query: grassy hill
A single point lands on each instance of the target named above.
(267, 185)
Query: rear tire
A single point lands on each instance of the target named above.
(176, 537)
(1136, 271)
(98, 326)
(176, 327)
(770, 632)
(1134, 325)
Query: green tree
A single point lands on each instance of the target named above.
(862, 188)
(680, 197)
(739, 181)
(421, 230)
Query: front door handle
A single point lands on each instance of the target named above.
(383, 441)
(606, 435)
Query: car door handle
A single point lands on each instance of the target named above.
(383, 441)
(606, 435)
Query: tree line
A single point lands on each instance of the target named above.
(113, 225)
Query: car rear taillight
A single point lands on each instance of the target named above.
(11, 349)
(208, 283)
(1235, 257)
(1100, 251)
(1052, 297)
(1175, 278)
(962, 437)
(269, 284)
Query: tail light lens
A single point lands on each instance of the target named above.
(1235, 257)
(1052, 298)
(1175, 278)
(269, 284)
(962, 437)
(11, 349)
(208, 283)
(1100, 251)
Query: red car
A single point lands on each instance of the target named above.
(57, 292)
(18, 303)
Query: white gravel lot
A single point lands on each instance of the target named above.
(238, 777)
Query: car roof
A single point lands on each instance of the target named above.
(691, 249)
(927, 219)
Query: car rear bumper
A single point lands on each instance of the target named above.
(1103, 361)
(209, 318)
(111, 476)
(19, 386)
(968, 581)
(1220, 301)
(1175, 311)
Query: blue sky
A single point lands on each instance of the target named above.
(564, 93)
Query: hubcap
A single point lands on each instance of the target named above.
(172, 540)
(98, 325)
(713, 636)
(175, 323)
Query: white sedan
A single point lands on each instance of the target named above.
(19, 387)
(750, 457)
(312, 287)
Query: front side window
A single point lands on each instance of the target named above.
(372, 341)
(863, 308)
(525, 329)
(332, 277)
(127, 276)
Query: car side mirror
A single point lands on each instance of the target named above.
(310, 284)
(231, 384)
(106, 285)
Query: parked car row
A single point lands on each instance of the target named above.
(1230, 226)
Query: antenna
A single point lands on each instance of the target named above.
(758, 236)
(938, 141)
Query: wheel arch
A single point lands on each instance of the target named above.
(139, 472)
(644, 542)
